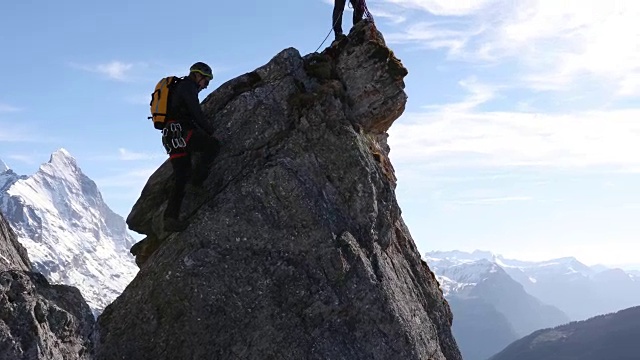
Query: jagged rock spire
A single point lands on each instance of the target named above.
(297, 249)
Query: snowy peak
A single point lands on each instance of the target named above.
(3, 166)
(61, 158)
(461, 277)
(446, 259)
(474, 283)
(460, 256)
(559, 262)
(567, 266)
(7, 178)
(60, 187)
(577, 289)
(71, 235)
(472, 272)
(62, 165)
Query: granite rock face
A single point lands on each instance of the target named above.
(296, 247)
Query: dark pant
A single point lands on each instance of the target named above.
(338, 9)
(208, 148)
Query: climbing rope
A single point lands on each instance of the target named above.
(362, 6)
(365, 10)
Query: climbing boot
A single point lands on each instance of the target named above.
(175, 225)
(339, 38)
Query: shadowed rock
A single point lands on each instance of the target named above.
(296, 247)
(38, 320)
(611, 336)
(13, 256)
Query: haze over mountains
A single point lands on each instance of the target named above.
(512, 298)
(71, 235)
(611, 337)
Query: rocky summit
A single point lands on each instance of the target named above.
(296, 247)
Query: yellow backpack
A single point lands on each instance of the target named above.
(160, 100)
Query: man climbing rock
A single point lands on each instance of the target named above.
(359, 10)
(187, 131)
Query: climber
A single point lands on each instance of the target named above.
(359, 11)
(185, 132)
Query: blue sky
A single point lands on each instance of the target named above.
(521, 134)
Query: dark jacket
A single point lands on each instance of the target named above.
(184, 107)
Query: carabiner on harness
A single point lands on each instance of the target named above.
(178, 142)
(172, 138)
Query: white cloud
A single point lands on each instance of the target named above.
(577, 38)
(115, 70)
(445, 7)
(493, 139)
(435, 36)
(478, 94)
(393, 17)
(459, 135)
(556, 43)
(630, 85)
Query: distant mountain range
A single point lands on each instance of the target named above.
(479, 329)
(71, 235)
(605, 337)
(481, 286)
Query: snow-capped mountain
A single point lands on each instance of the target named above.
(461, 278)
(575, 288)
(568, 268)
(71, 235)
(479, 290)
(486, 280)
(533, 271)
(7, 176)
